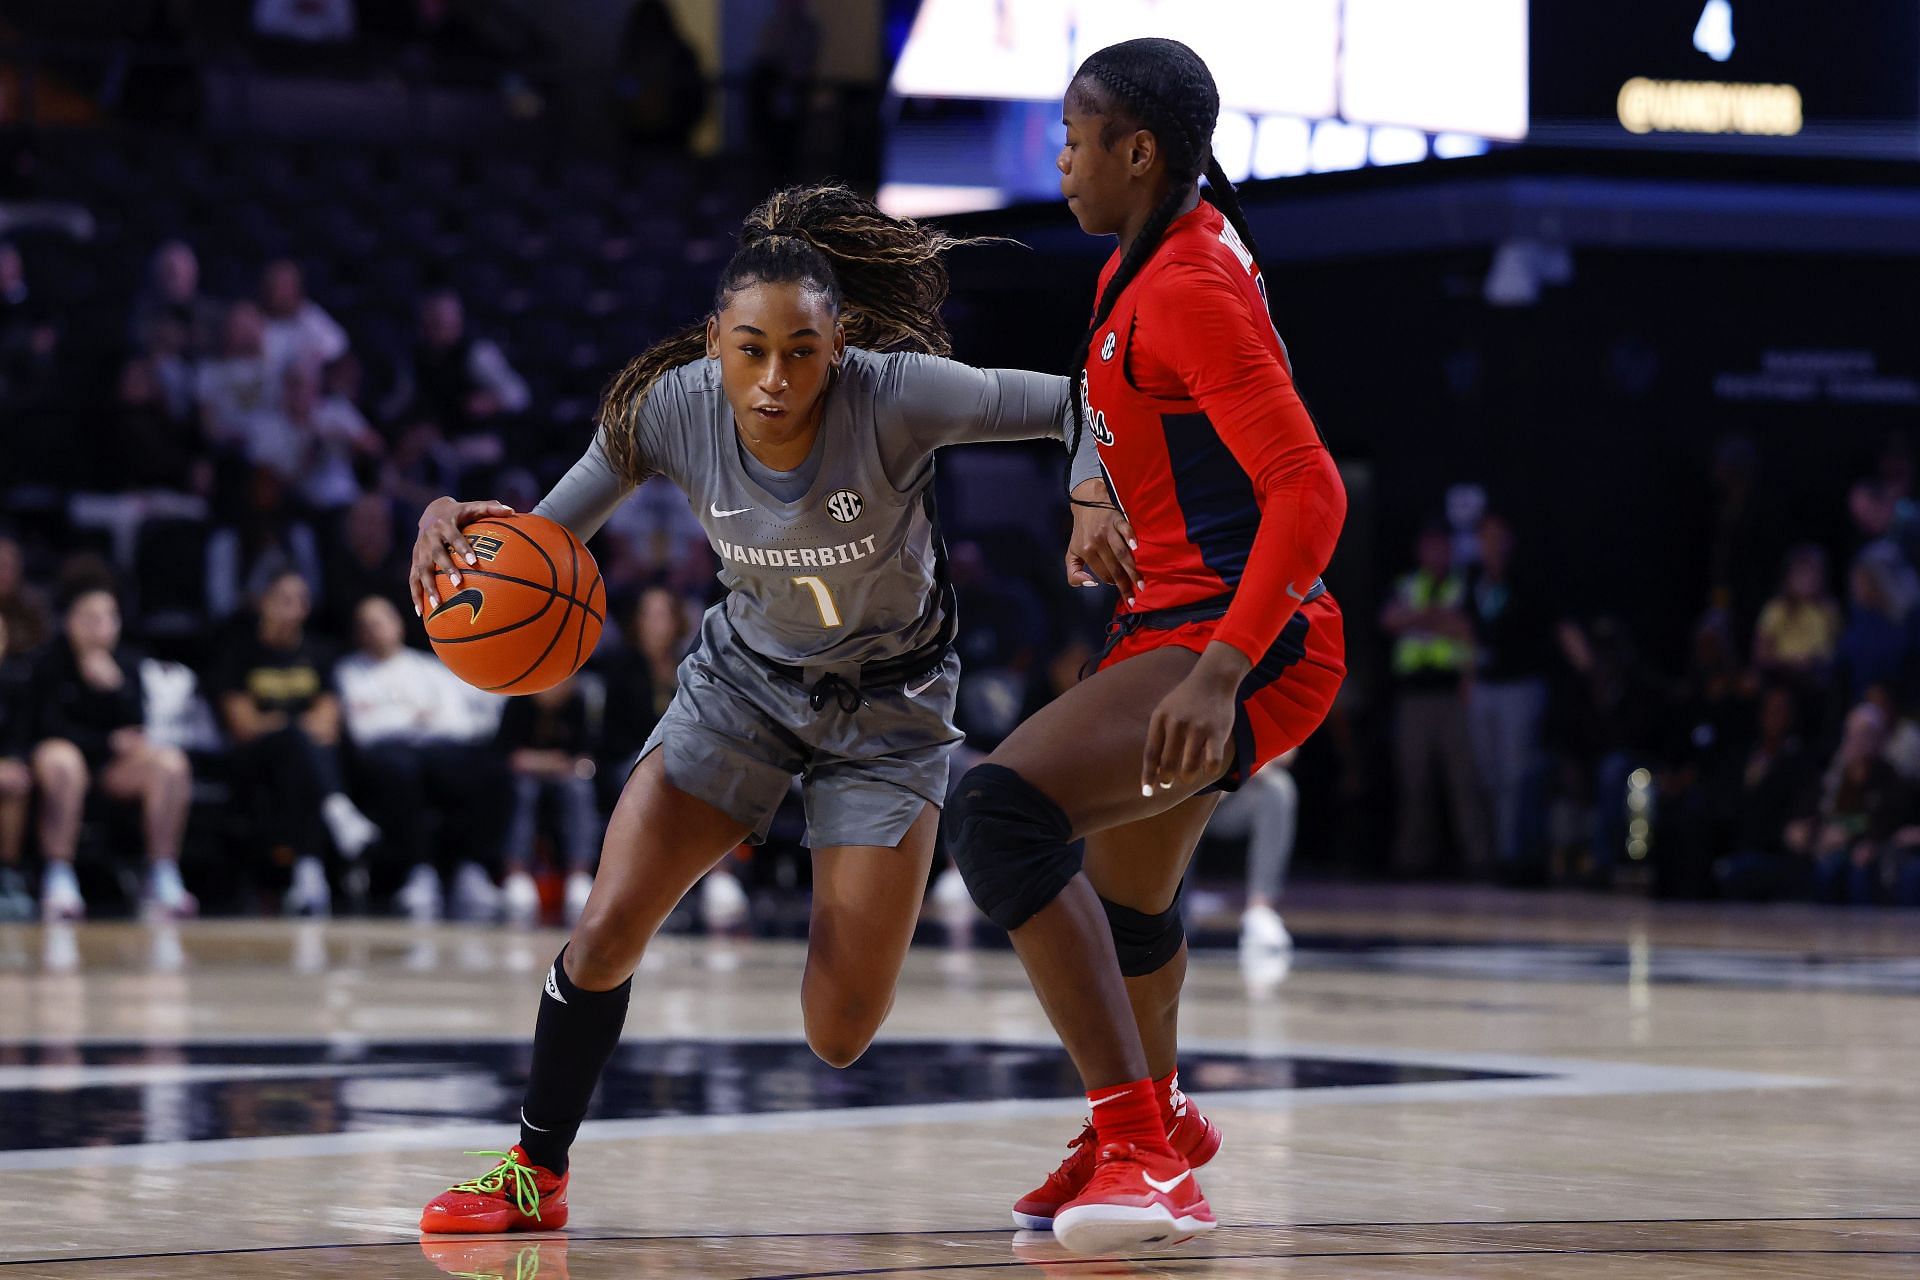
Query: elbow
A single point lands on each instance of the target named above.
(1319, 500)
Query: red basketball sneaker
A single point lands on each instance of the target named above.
(514, 1195)
(1136, 1198)
(1191, 1134)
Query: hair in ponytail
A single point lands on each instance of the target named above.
(883, 277)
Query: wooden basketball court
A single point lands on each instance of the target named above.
(1445, 1084)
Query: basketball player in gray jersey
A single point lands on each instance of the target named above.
(807, 453)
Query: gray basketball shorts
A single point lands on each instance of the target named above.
(737, 734)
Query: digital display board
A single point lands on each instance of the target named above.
(1840, 77)
(1427, 64)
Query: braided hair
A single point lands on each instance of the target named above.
(883, 277)
(1163, 87)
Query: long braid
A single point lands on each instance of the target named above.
(883, 275)
(1164, 87)
(1222, 196)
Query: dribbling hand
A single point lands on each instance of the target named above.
(441, 546)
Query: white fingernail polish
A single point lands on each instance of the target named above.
(1132, 545)
(1166, 786)
(433, 602)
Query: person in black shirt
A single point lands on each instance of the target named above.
(367, 560)
(16, 780)
(642, 677)
(1775, 783)
(456, 390)
(1507, 697)
(275, 697)
(88, 716)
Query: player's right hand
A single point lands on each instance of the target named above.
(442, 547)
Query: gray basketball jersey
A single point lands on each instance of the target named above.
(844, 574)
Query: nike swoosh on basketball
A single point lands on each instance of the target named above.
(738, 511)
(470, 597)
(916, 690)
(1165, 1188)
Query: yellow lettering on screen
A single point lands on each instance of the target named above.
(1708, 106)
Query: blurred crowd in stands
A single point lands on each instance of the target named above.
(1782, 762)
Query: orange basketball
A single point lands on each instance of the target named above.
(527, 612)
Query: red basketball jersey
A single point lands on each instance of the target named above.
(1209, 450)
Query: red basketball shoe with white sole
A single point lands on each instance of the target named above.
(1136, 1199)
(514, 1195)
(1191, 1134)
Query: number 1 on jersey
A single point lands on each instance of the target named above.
(829, 616)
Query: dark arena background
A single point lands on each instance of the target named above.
(1579, 941)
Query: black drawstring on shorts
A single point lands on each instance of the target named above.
(832, 686)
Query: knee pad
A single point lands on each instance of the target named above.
(1013, 845)
(1145, 942)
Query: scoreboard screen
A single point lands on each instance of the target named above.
(1843, 78)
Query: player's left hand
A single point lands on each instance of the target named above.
(1187, 737)
(1191, 732)
(1102, 546)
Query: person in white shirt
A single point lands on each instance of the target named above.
(422, 752)
(298, 329)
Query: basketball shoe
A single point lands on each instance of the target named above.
(514, 1195)
(1194, 1137)
(1136, 1198)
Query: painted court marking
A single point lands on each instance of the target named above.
(1546, 1078)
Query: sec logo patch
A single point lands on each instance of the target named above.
(1106, 347)
(846, 506)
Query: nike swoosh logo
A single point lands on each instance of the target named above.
(530, 1124)
(553, 987)
(1101, 1102)
(919, 689)
(715, 508)
(1295, 594)
(1164, 1188)
(470, 597)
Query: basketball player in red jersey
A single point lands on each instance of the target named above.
(1226, 649)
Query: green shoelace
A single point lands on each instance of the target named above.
(526, 1195)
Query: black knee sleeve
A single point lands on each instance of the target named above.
(1014, 847)
(1145, 942)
